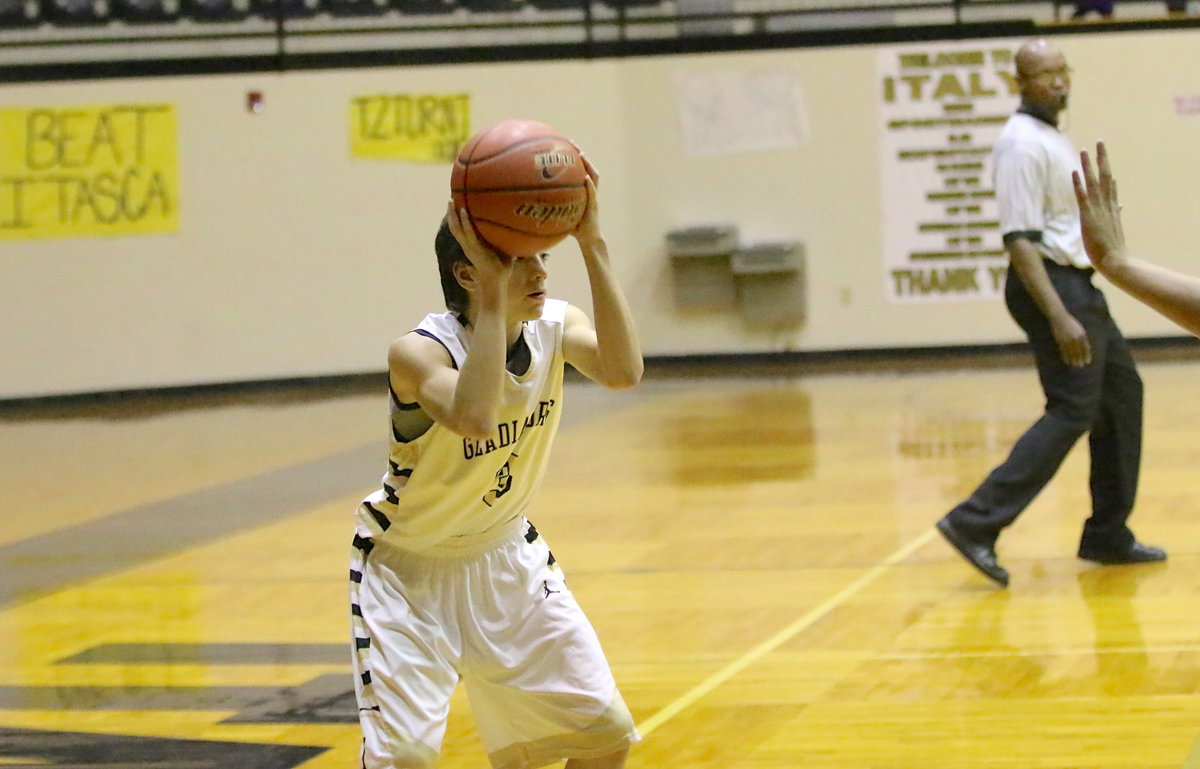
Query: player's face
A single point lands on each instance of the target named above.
(1047, 83)
(527, 286)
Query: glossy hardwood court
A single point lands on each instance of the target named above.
(755, 548)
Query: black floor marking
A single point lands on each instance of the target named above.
(211, 654)
(38, 566)
(327, 699)
(78, 750)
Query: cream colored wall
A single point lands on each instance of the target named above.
(294, 259)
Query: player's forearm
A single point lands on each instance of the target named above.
(481, 381)
(1173, 294)
(618, 349)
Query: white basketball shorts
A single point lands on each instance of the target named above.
(503, 622)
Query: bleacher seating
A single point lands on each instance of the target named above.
(216, 10)
(556, 5)
(421, 7)
(20, 13)
(617, 4)
(135, 11)
(76, 12)
(483, 22)
(356, 7)
(288, 9)
(491, 6)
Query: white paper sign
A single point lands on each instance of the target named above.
(733, 112)
(942, 106)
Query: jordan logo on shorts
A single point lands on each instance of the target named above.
(546, 587)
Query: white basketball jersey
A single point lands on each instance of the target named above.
(446, 493)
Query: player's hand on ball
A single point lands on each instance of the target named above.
(588, 231)
(587, 164)
(487, 260)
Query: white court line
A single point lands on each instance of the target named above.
(780, 638)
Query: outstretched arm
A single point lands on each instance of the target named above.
(1173, 294)
(608, 353)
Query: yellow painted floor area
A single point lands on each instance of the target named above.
(756, 552)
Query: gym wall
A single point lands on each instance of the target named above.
(293, 258)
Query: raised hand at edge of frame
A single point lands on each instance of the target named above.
(1100, 212)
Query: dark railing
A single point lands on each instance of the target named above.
(49, 39)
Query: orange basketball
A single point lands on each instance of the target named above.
(523, 185)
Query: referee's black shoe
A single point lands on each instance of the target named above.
(1134, 552)
(980, 554)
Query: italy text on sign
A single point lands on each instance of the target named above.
(942, 106)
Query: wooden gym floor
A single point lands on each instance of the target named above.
(754, 545)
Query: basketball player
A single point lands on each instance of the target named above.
(1175, 295)
(1088, 376)
(450, 581)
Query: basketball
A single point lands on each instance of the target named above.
(523, 184)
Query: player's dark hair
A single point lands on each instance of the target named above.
(450, 253)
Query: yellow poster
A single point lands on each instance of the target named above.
(88, 170)
(419, 128)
